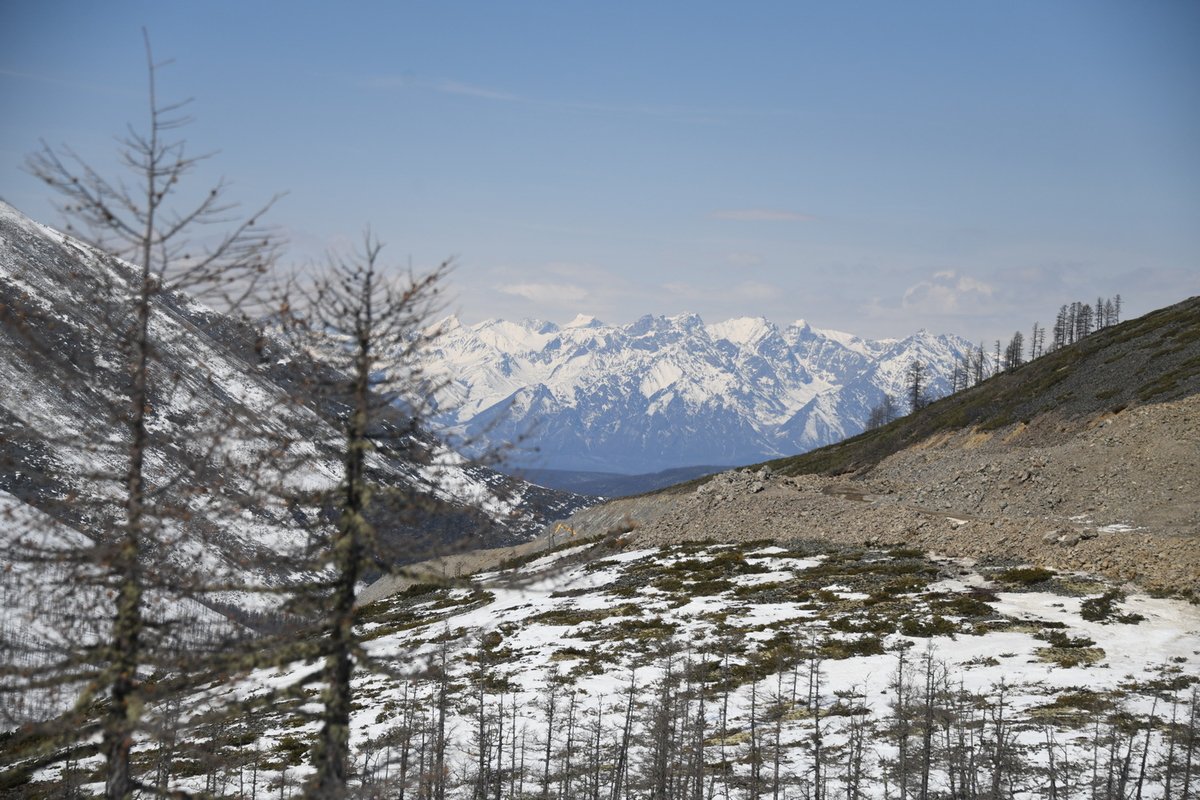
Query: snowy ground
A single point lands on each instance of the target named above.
(782, 666)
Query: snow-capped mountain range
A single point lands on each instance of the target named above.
(665, 392)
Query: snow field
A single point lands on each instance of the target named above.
(593, 623)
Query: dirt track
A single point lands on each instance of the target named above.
(447, 568)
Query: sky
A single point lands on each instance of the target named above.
(875, 167)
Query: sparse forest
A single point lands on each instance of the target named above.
(727, 718)
(1073, 322)
(124, 606)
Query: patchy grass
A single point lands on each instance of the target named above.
(851, 603)
(1059, 639)
(578, 616)
(1071, 656)
(1074, 707)
(870, 644)
(974, 605)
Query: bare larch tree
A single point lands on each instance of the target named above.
(205, 248)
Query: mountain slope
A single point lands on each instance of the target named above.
(757, 615)
(223, 403)
(668, 392)
(1150, 359)
(596, 669)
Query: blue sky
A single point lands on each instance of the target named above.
(870, 166)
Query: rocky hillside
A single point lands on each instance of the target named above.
(1086, 459)
(1146, 360)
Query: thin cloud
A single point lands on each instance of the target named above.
(69, 82)
(442, 85)
(745, 260)
(947, 292)
(756, 290)
(470, 90)
(713, 300)
(450, 86)
(761, 215)
(552, 294)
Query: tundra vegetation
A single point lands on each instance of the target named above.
(708, 670)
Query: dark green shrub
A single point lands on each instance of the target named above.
(1026, 576)
(1104, 609)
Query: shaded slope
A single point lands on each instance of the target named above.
(611, 484)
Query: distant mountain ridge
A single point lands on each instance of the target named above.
(611, 484)
(667, 392)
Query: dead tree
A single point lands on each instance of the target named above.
(929, 670)
(567, 774)
(1014, 353)
(622, 766)
(205, 249)
(915, 385)
(367, 325)
(549, 707)
(661, 747)
(856, 732)
(901, 728)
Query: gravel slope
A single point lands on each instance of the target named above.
(1117, 494)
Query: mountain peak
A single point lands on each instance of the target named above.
(742, 330)
(645, 324)
(583, 321)
(443, 326)
(687, 318)
(540, 325)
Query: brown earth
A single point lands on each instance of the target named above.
(1115, 494)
